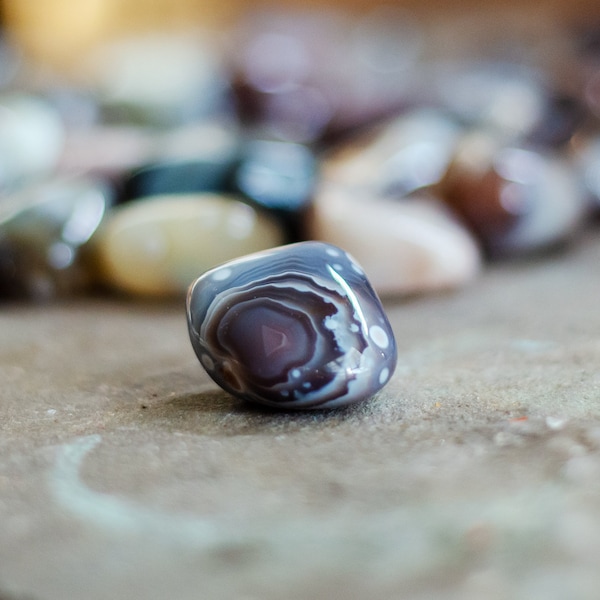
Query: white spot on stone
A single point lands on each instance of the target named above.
(222, 274)
(332, 252)
(207, 362)
(379, 336)
(383, 375)
(51, 412)
(354, 328)
(295, 373)
(329, 323)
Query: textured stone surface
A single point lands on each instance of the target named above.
(158, 246)
(126, 473)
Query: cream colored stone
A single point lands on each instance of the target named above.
(405, 246)
(158, 246)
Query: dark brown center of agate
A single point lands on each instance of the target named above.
(268, 340)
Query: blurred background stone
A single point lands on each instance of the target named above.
(408, 246)
(157, 246)
(43, 230)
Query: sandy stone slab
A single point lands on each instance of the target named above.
(125, 473)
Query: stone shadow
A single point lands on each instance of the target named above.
(215, 412)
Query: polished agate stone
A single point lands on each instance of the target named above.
(157, 246)
(297, 326)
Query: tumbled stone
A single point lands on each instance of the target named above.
(516, 200)
(408, 153)
(295, 327)
(406, 246)
(157, 246)
(43, 231)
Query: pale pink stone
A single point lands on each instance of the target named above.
(405, 246)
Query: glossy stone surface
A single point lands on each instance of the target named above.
(407, 246)
(516, 200)
(43, 230)
(293, 327)
(158, 246)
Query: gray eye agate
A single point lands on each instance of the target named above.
(297, 326)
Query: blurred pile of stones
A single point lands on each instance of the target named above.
(167, 154)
